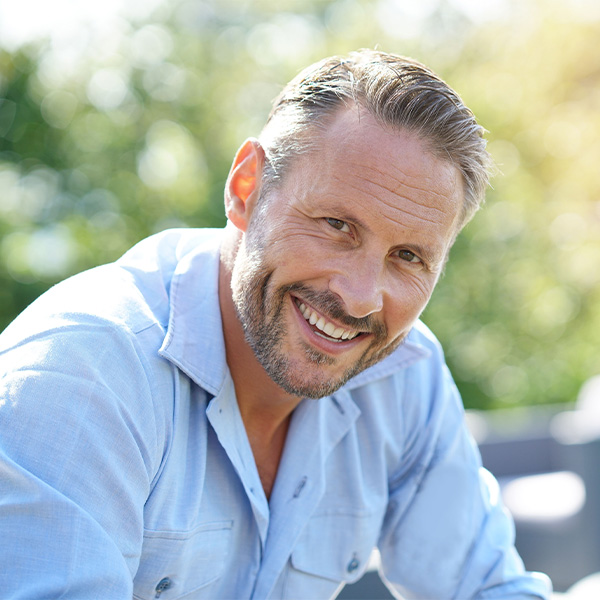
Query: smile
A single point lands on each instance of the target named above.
(331, 331)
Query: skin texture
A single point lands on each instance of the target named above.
(357, 233)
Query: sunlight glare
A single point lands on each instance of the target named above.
(27, 21)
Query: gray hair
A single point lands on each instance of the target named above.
(400, 93)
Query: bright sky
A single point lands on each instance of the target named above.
(23, 21)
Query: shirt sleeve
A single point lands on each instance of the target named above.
(78, 448)
(446, 533)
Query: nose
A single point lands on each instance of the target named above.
(360, 288)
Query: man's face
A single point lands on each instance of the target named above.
(340, 259)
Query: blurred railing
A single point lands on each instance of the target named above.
(547, 461)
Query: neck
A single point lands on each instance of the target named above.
(264, 406)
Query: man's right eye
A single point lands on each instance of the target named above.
(339, 224)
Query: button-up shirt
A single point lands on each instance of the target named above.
(126, 472)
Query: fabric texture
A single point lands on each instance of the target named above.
(126, 472)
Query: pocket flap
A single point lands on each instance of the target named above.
(187, 560)
(337, 547)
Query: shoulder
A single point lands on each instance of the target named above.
(129, 295)
(93, 340)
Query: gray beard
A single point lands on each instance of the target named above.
(261, 316)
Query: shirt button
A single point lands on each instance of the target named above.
(164, 584)
(300, 486)
(353, 564)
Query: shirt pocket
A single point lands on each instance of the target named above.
(333, 549)
(177, 564)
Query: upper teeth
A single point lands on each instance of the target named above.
(325, 326)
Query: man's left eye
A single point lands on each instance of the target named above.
(408, 256)
(339, 224)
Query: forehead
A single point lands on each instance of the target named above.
(381, 171)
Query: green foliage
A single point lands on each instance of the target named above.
(128, 130)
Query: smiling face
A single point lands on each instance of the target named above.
(339, 260)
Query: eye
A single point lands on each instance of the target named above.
(339, 224)
(409, 256)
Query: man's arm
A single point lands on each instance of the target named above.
(449, 536)
(77, 448)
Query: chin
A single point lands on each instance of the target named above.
(313, 380)
(314, 391)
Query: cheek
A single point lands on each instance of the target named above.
(300, 258)
(407, 302)
(418, 289)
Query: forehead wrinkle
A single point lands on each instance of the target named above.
(402, 182)
(397, 208)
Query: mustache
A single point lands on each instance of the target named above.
(329, 304)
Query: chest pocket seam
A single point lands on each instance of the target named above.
(346, 539)
(190, 559)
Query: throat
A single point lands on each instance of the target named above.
(268, 475)
(267, 451)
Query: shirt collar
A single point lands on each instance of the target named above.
(194, 340)
(408, 353)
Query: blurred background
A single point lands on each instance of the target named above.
(120, 118)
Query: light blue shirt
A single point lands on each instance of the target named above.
(125, 469)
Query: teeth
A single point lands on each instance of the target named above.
(326, 327)
(329, 329)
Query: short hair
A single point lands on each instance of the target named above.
(400, 93)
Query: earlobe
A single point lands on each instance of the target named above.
(243, 184)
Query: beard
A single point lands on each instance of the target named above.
(260, 309)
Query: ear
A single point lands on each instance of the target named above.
(243, 183)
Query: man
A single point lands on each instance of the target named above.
(247, 413)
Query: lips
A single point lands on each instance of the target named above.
(324, 328)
